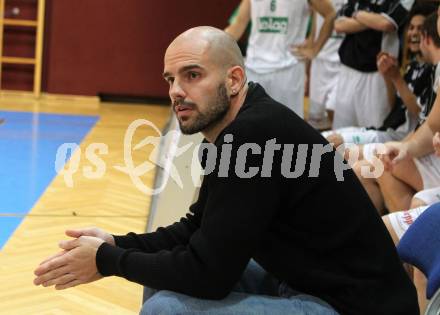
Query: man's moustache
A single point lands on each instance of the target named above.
(183, 103)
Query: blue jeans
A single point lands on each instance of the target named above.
(257, 293)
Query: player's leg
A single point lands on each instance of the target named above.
(292, 87)
(369, 183)
(399, 185)
(318, 90)
(398, 222)
(372, 103)
(346, 98)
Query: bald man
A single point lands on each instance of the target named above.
(261, 238)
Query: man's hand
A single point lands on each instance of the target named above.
(303, 51)
(73, 266)
(92, 231)
(436, 143)
(89, 231)
(393, 153)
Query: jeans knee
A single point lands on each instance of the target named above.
(163, 303)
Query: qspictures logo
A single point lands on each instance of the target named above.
(273, 24)
(294, 160)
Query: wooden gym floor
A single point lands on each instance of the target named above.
(111, 202)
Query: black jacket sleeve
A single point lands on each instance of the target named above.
(164, 238)
(236, 213)
(168, 237)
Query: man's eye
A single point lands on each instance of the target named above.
(193, 75)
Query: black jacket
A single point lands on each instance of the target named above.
(320, 235)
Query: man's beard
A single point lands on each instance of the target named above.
(216, 110)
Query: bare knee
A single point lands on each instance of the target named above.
(407, 172)
(363, 170)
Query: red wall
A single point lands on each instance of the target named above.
(117, 46)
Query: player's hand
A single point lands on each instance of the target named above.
(436, 143)
(92, 231)
(335, 139)
(381, 62)
(387, 65)
(393, 153)
(77, 265)
(303, 52)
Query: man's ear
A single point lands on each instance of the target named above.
(236, 79)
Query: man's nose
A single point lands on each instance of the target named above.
(176, 91)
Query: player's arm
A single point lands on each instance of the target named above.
(417, 144)
(375, 21)
(420, 142)
(348, 25)
(238, 26)
(312, 34)
(433, 120)
(391, 91)
(345, 23)
(386, 67)
(326, 10)
(408, 97)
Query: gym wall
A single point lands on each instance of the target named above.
(115, 46)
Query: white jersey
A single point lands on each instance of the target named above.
(276, 25)
(329, 51)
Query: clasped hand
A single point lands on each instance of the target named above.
(76, 263)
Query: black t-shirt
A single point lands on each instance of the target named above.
(319, 234)
(418, 76)
(359, 50)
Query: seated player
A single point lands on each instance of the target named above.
(408, 94)
(398, 222)
(409, 165)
